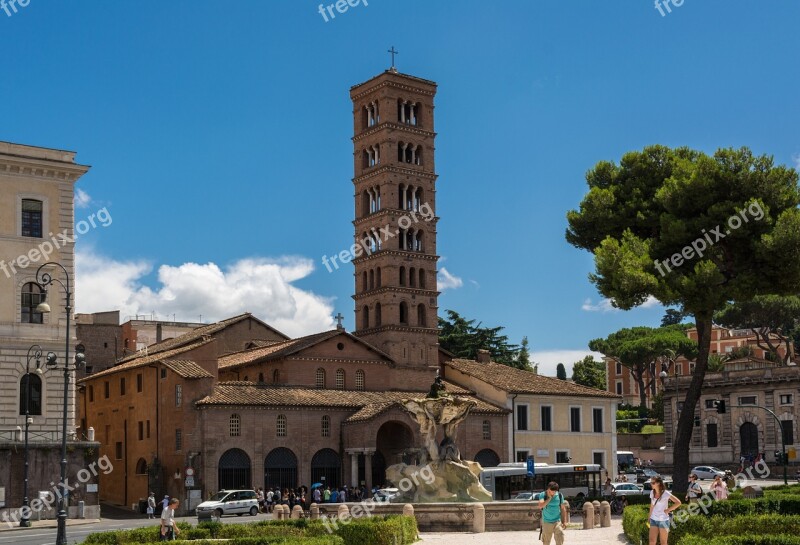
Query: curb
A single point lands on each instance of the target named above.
(47, 524)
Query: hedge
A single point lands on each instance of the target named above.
(717, 526)
(379, 530)
(634, 523)
(742, 540)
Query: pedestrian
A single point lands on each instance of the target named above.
(343, 495)
(554, 514)
(327, 494)
(164, 503)
(317, 495)
(268, 499)
(660, 511)
(151, 505)
(334, 496)
(169, 528)
(260, 498)
(694, 491)
(720, 488)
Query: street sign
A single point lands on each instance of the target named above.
(531, 467)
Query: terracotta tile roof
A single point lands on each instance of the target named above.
(143, 360)
(196, 334)
(187, 369)
(258, 343)
(516, 381)
(286, 348)
(366, 404)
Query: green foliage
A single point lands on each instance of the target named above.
(523, 360)
(379, 531)
(561, 372)
(634, 523)
(589, 372)
(672, 317)
(657, 409)
(464, 338)
(650, 428)
(747, 539)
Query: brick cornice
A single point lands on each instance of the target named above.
(394, 168)
(397, 253)
(393, 327)
(392, 212)
(392, 125)
(396, 289)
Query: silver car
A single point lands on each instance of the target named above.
(229, 502)
(628, 489)
(707, 472)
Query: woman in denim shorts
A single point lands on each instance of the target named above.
(660, 509)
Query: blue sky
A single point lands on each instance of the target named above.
(218, 134)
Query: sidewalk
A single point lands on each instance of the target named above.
(45, 524)
(598, 536)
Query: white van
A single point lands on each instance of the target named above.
(229, 502)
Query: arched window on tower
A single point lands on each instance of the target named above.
(365, 317)
(401, 241)
(360, 380)
(401, 190)
(371, 279)
(340, 379)
(419, 236)
(320, 378)
(422, 278)
(422, 320)
(377, 314)
(365, 203)
(412, 277)
(365, 159)
(404, 313)
(407, 112)
(417, 155)
(402, 276)
(364, 284)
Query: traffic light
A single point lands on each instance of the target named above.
(720, 405)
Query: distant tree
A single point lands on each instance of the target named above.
(561, 371)
(523, 359)
(657, 410)
(589, 372)
(693, 231)
(672, 317)
(464, 338)
(716, 363)
(774, 320)
(643, 349)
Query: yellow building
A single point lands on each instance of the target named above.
(555, 421)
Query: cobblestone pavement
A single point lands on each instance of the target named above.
(574, 534)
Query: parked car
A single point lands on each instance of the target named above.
(628, 489)
(229, 502)
(386, 495)
(707, 472)
(523, 496)
(647, 487)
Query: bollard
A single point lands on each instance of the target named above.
(314, 511)
(588, 516)
(566, 505)
(344, 513)
(478, 518)
(596, 505)
(284, 512)
(605, 514)
(408, 510)
(297, 512)
(278, 512)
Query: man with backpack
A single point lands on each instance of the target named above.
(554, 514)
(694, 491)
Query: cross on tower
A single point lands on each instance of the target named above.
(339, 318)
(393, 53)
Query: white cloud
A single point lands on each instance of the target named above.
(82, 199)
(796, 159)
(548, 360)
(261, 286)
(604, 305)
(448, 281)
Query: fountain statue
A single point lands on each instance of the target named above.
(442, 475)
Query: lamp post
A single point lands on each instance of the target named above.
(45, 279)
(663, 375)
(34, 352)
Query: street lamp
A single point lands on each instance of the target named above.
(45, 279)
(34, 352)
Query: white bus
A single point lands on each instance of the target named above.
(625, 461)
(575, 481)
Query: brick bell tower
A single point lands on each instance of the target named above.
(395, 217)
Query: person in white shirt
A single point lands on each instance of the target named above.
(662, 503)
(169, 528)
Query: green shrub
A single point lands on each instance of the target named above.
(717, 526)
(742, 540)
(634, 523)
(388, 530)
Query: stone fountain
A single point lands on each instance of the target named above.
(442, 475)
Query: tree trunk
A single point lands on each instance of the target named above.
(639, 376)
(683, 435)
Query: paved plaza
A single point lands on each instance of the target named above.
(574, 534)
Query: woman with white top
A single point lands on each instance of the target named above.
(662, 503)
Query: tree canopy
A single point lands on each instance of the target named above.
(464, 338)
(561, 372)
(589, 372)
(693, 231)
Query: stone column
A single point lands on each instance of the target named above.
(353, 468)
(368, 467)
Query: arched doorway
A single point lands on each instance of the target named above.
(326, 468)
(280, 469)
(748, 439)
(395, 442)
(234, 470)
(487, 458)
